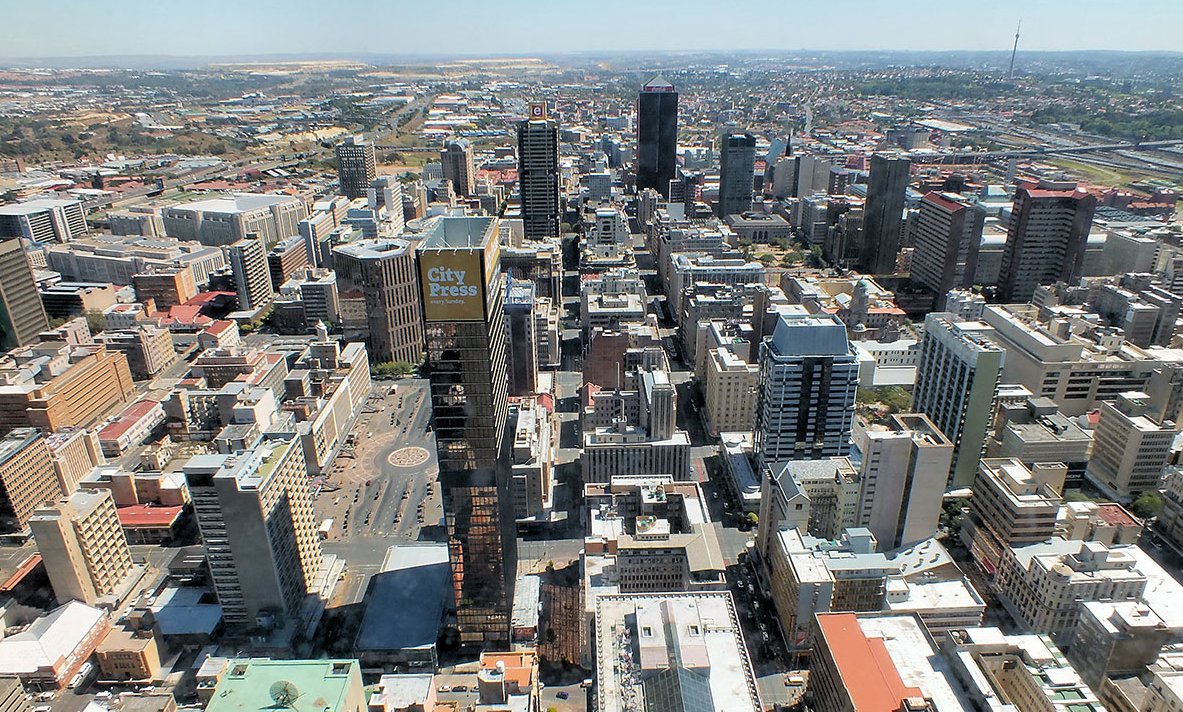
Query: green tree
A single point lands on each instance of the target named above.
(392, 369)
(1147, 504)
(95, 321)
(753, 519)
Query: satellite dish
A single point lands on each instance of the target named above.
(283, 693)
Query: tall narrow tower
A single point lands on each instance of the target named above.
(1011, 72)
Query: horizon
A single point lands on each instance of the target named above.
(221, 28)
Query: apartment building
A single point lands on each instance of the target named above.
(52, 386)
(84, 548)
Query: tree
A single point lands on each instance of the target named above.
(96, 321)
(1147, 505)
(753, 519)
(393, 369)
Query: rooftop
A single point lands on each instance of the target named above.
(317, 685)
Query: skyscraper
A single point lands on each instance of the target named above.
(83, 546)
(737, 171)
(27, 477)
(383, 272)
(456, 159)
(252, 275)
(948, 235)
(538, 173)
(1045, 240)
(22, 316)
(956, 384)
(808, 378)
(356, 166)
(523, 342)
(258, 528)
(464, 322)
(657, 135)
(883, 219)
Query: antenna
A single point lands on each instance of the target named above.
(1011, 73)
(283, 693)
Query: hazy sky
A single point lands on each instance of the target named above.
(222, 27)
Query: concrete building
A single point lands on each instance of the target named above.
(357, 166)
(1012, 506)
(1045, 241)
(237, 216)
(84, 548)
(538, 173)
(404, 692)
(1130, 449)
(808, 377)
(1117, 639)
(456, 159)
(1043, 585)
(657, 135)
(818, 497)
(147, 348)
(27, 477)
(74, 453)
(904, 466)
(1034, 431)
(381, 276)
(45, 220)
(52, 386)
(884, 213)
(671, 649)
(298, 685)
(507, 681)
(259, 530)
(633, 431)
(166, 287)
(52, 649)
(737, 172)
(731, 386)
(522, 347)
(127, 654)
(956, 383)
(759, 228)
(534, 441)
(115, 258)
(252, 277)
(885, 663)
(22, 315)
(287, 258)
(405, 611)
(948, 234)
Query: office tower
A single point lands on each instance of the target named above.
(27, 477)
(383, 273)
(737, 170)
(883, 220)
(456, 159)
(258, 527)
(226, 219)
(657, 135)
(252, 277)
(904, 466)
(464, 323)
(1045, 241)
(289, 256)
(1013, 506)
(523, 343)
(956, 383)
(167, 287)
(52, 386)
(948, 234)
(538, 173)
(22, 316)
(46, 220)
(356, 166)
(808, 377)
(1130, 448)
(83, 546)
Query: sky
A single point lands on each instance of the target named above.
(80, 28)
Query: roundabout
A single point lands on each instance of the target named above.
(410, 456)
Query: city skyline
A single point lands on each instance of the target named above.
(265, 28)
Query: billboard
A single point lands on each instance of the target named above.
(537, 110)
(452, 284)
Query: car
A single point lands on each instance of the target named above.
(563, 695)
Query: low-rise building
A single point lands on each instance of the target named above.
(52, 649)
(128, 654)
(138, 422)
(534, 440)
(508, 682)
(149, 349)
(1117, 639)
(1034, 431)
(260, 683)
(405, 692)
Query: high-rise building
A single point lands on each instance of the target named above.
(1045, 241)
(657, 135)
(27, 477)
(456, 159)
(382, 273)
(948, 235)
(523, 342)
(464, 323)
(808, 378)
(289, 256)
(737, 173)
(883, 221)
(356, 166)
(226, 219)
(1130, 448)
(904, 467)
(252, 277)
(22, 316)
(52, 386)
(956, 383)
(538, 173)
(46, 220)
(83, 546)
(258, 528)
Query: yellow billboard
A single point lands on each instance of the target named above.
(452, 284)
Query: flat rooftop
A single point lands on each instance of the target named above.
(459, 233)
(316, 684)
